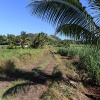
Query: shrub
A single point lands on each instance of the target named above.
(12, 47)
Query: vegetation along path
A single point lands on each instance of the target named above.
(43, 69)
(35, 75)
(53, 77)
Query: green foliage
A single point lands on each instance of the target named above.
(11, 39)
(69, 18)
(40, 40)
(3, 40)
(23, 39)
(54, 40)
(90, 61)
(71, 52)
(62, 52)
(12, 47)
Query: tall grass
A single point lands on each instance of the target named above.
(71, 52)
(10, 53)
(20, 58)
(90, 61)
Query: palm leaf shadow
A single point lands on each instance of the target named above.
(15, 89)
(32, 78)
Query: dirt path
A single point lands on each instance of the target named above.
(52, 64)
(37, 90)
(39, 86)
(37, 63)
(5, 82)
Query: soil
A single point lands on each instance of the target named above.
(38, 85)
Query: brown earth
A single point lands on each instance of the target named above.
(38, 89)
(37, 86)
(5, 82)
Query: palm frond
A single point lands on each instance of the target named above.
(63, 12)
(94, 10)
(59, 12)
(72, 30)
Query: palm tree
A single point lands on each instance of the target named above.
(68, 16)
(23, 38)
(94, 9)
(11, 39)
(40, 40)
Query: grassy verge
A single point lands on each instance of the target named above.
(89, 61)
(18, 85)
(20, 57)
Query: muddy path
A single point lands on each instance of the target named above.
(52, 64)
(6, 81)
(37, 85)
(37, 89)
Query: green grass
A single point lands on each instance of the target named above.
(10, 53)
(20, 81)
(18, 59)
(71, 52)
(89, 60)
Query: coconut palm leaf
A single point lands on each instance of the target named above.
(62, 12)
(94, 10)
(96, 2)
(73, 30)
(58, 12)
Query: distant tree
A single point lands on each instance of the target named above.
(11, 39)
(40, 40)
(18, 39)
(23, 38)
(3, 39)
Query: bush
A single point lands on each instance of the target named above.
(12, 47)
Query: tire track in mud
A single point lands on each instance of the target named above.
(37, 90)
(5, 82)
(39, 62)
(52, 64)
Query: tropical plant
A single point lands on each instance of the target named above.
(68, 16)
(40, 40)
(23, 38)
(89, 61)
(95, 6)
(11, 39)
(3, 39)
